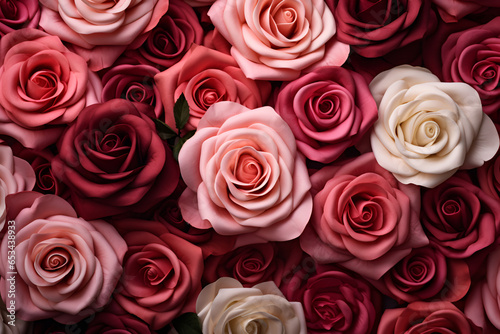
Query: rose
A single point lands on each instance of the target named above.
(162, 273)
(17, 14)
(7, 319)
(114, 319)
(276, 40)
(421, 317)
(244, 176)
(453, 10)
(375, 28)
(428, 129)
(459, 218)
(262, 309)
(328, 110)
(205, 77)
(254, 264)
(134, 83)
(101, 30)
(67, 267)
(488, 175)
(16, 175)
(44, 87)
(362, 218)
(113, 161)
(426, 274)
(334, 301)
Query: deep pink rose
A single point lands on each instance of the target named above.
(363, 218)
(162, 273)
(328, 110)
(375, 28)
(101, 31)
(245, 176)
(421, 317)
(18, 14)
(205, 77)
(254, 264)
(44, 87)
(489, 174)
(134, 83)
(67, 267)
(115, 320)
(334, 301)
(426, 274)
(113, 161)
(460, 218)
(454, 10)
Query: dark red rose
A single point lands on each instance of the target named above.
(489, 175)
(17, 14)
(113, 161)
(115, 320)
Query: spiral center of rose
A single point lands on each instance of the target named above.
(286, 20)
(43, 84)
(142, 93)
(327, 308)
(153, 275)
(248, 169)
(9, 9)
(56, 259)
(362, 213)
(254, 326)
(451, 207)
(418, 271)
(427, 133)
(208, 92)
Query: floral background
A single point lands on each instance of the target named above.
(250, 166)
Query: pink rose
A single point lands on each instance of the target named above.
(460, 218)
(114, 162)
(328, 110)
(244, 176)
(162, 273)
(44, 87)
(363, 218)
(18, 14)
(276, 40)
(205, 77)
(375, 28)
(101, 31)
(421, 317)
(67, 267)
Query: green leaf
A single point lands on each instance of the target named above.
(178, 145)
(187, 323)
(164, 131)
(181, 112)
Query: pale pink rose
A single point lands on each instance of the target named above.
(67, 268)
(101, 30)
(15, 175)
(276, 40)
(44, 87)
(245, 176)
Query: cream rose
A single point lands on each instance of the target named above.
(428, 129)
(225, 306)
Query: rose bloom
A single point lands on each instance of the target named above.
(244, 176)
(428, 129)
(225, 306)
(162, 273)
(102, 30)
(363, 218)
(454, 10)
(113, 161)
(18, 14)
(421, 317)
(425, 274)
(16, 175)
(134, 83)
(328, 110)
(67, 267)
(205, 77)
(488, 175)
(334, 301)
(44, 87)
(459, 218)
(115, 319)
(21, 327)
(276, 40)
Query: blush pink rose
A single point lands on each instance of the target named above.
(162, 273)
(245, 176)
(205, 77)
(328, 110)
(44, 87)
(18, 14)
(277, 40)
(363, 218)
(67, 267)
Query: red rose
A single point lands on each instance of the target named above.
(115, 320)
(17, 14)
(489, 175)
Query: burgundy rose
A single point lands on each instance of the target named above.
(375, 28)
(115, 320)
(454, 10)
(328, 110)
(489, 175)
(254, 264)
(162, 273)
(113, 161)
(460, 218)
(17, 14)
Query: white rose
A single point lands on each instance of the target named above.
(225, 306)
(428, 129)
